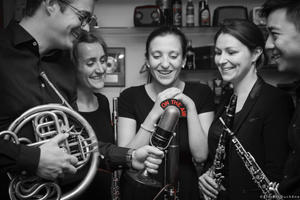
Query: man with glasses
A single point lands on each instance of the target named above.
(40, 43)
(84, 17)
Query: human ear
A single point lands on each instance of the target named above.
(256, 54)
(50, 6)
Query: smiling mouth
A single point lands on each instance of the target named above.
(275, 56)
(97, 77)
(165, 72)
(225, 69)
(76, 33)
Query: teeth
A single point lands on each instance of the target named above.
(165, 73)
(227, 68)
(96, 77)
(75, 34)
(275, 56)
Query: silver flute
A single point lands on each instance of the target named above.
(115, 188)
(268, 188)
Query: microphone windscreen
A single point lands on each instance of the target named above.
(164, 131)
(169, 118)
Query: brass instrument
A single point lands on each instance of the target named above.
(48, 121)
(215, 170)
(268, 188)
(115, 189)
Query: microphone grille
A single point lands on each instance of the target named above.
(169, 118)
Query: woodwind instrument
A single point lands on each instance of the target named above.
(268, 188)
(115, 188)
(215, 170)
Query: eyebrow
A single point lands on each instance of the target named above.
(90, 59)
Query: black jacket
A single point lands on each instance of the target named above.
(261, 126)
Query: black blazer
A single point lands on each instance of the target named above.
(261, 127)
(290, 185)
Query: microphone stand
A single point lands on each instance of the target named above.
(172, 170)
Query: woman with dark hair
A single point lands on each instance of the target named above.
(140, 110)
(261, 119)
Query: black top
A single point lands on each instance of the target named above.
(290, 184)
(100, 120)
(21, 87)
(100, 187)
(261, 126)
(135, 103)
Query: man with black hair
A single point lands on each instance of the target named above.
(283, 23)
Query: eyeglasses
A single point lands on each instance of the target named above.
(84, 17)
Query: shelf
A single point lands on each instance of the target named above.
(144, 31)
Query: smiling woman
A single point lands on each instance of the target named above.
(90, 57)
(261, 117)
(140, 110)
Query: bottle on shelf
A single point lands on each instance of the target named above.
(165, 7)
(177, 13)
(190, 16)
(190, 57)
(204, 13)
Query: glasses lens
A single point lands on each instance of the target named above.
(89, 19)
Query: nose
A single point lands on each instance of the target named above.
(269, 43)
(221, 59)
(101, 68)
(85, 27)
(165, 62)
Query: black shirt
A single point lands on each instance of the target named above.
(21, 88)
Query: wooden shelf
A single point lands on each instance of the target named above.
(144, 31)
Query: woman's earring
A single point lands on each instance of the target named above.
(183, 65)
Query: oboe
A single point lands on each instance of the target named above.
(268, 188)
(115, 189)
(215, 170)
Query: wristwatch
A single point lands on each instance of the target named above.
(129, 157)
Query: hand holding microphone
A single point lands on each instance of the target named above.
(169, 93)
(161, 139)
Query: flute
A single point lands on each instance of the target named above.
(115, 189)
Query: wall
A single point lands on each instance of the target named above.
(119, 13)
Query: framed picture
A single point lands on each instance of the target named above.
(115, 72)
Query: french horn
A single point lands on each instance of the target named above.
(48, 121)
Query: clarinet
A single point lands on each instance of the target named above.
(115, 189)
(268, 188)
(215, 171)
